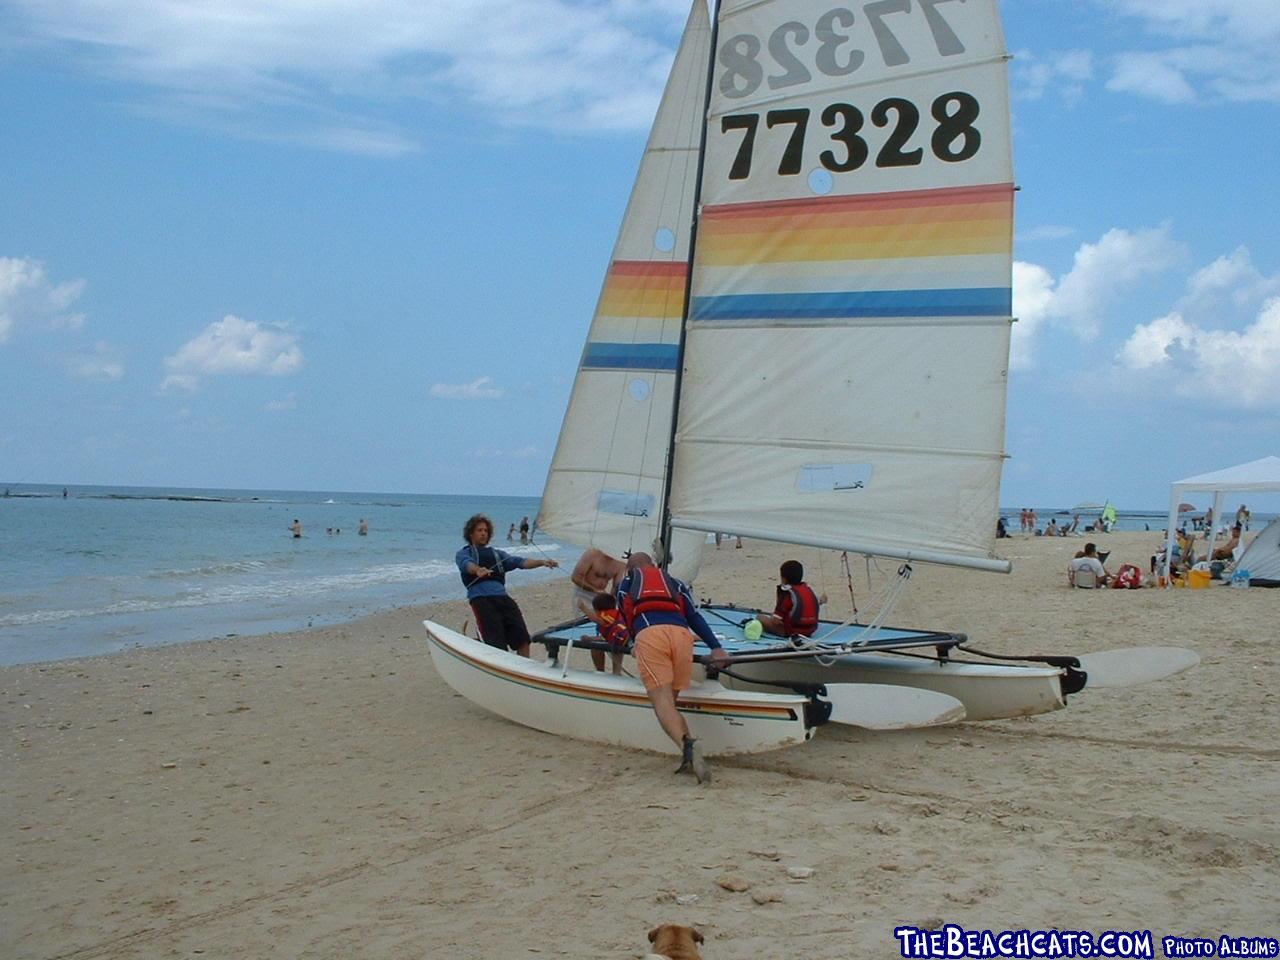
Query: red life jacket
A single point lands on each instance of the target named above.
(613, 630)
(801, 617)
(651, 591)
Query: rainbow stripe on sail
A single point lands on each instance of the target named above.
(637, 325)
(919, 253)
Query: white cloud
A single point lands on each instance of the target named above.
(289, 402)
(1079, 301)
(1064, 73)
(103, 362)
(1224, 50)
(1153, 75)
(1107, 268)
(235, 347)
(1192, 352)
(29, 298)
(481, 388)
(265, 70)
(1032, 294)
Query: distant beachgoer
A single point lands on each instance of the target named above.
(1227, 550)
(1001, 530)
(1051, 529)
(64, 493)
(1086, 570)
(1242, 515)
(524, 530)
(1031, 519)
(484, 572)
(296, 529)
(604, 613)
(662, 617)
(363, 529)
(738, 545)
(795, 611)
(511, 534)
(595, 572)
(328, 531)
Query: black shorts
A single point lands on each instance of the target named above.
(501, 623)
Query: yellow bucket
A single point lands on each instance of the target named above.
(1199, 579)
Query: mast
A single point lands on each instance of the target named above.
(664, 536)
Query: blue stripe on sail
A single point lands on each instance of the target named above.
(630, 356)
(961, 302)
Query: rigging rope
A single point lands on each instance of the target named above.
(869, 631)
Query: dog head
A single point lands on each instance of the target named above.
(676, 941)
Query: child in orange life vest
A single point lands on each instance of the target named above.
(604, 613)
(796, 612)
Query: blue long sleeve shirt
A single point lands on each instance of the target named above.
(485, 586)
(692, 617)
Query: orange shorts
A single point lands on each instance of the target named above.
(664, 654)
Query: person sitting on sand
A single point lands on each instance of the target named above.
(1051, 528)
(1086, 570)
(1183, 554)
(604, 613)
(1228, 549)
(795, 614)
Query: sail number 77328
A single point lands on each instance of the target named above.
(889, 21)
(954, 137)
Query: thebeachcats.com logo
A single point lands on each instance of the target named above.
(954, 942)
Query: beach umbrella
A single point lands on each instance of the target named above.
(1086, 506)
(1186, 507)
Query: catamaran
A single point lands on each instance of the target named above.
(803, 337)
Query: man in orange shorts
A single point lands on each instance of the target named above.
(662, 617)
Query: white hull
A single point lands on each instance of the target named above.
(988, 691)
(588, 705)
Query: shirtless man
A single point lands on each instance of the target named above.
(1228, 549)
(596, 572)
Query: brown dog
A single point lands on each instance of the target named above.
(675, 942)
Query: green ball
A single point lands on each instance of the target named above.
(753, 630)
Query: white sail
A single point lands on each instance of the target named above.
(605, 484)
(845, 369)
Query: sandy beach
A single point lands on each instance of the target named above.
(324, 794)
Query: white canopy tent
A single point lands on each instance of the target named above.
(1257, 475)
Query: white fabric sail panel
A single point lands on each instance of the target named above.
(846, 364)
(606, 477)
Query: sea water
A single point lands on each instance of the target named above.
(107, 568)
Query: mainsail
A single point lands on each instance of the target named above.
(605, 484)
(848, 336)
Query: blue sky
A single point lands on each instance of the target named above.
(346, 245)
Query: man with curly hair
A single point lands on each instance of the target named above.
(484, 573)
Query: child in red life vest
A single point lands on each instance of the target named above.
(796, 612)
(604, 613)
